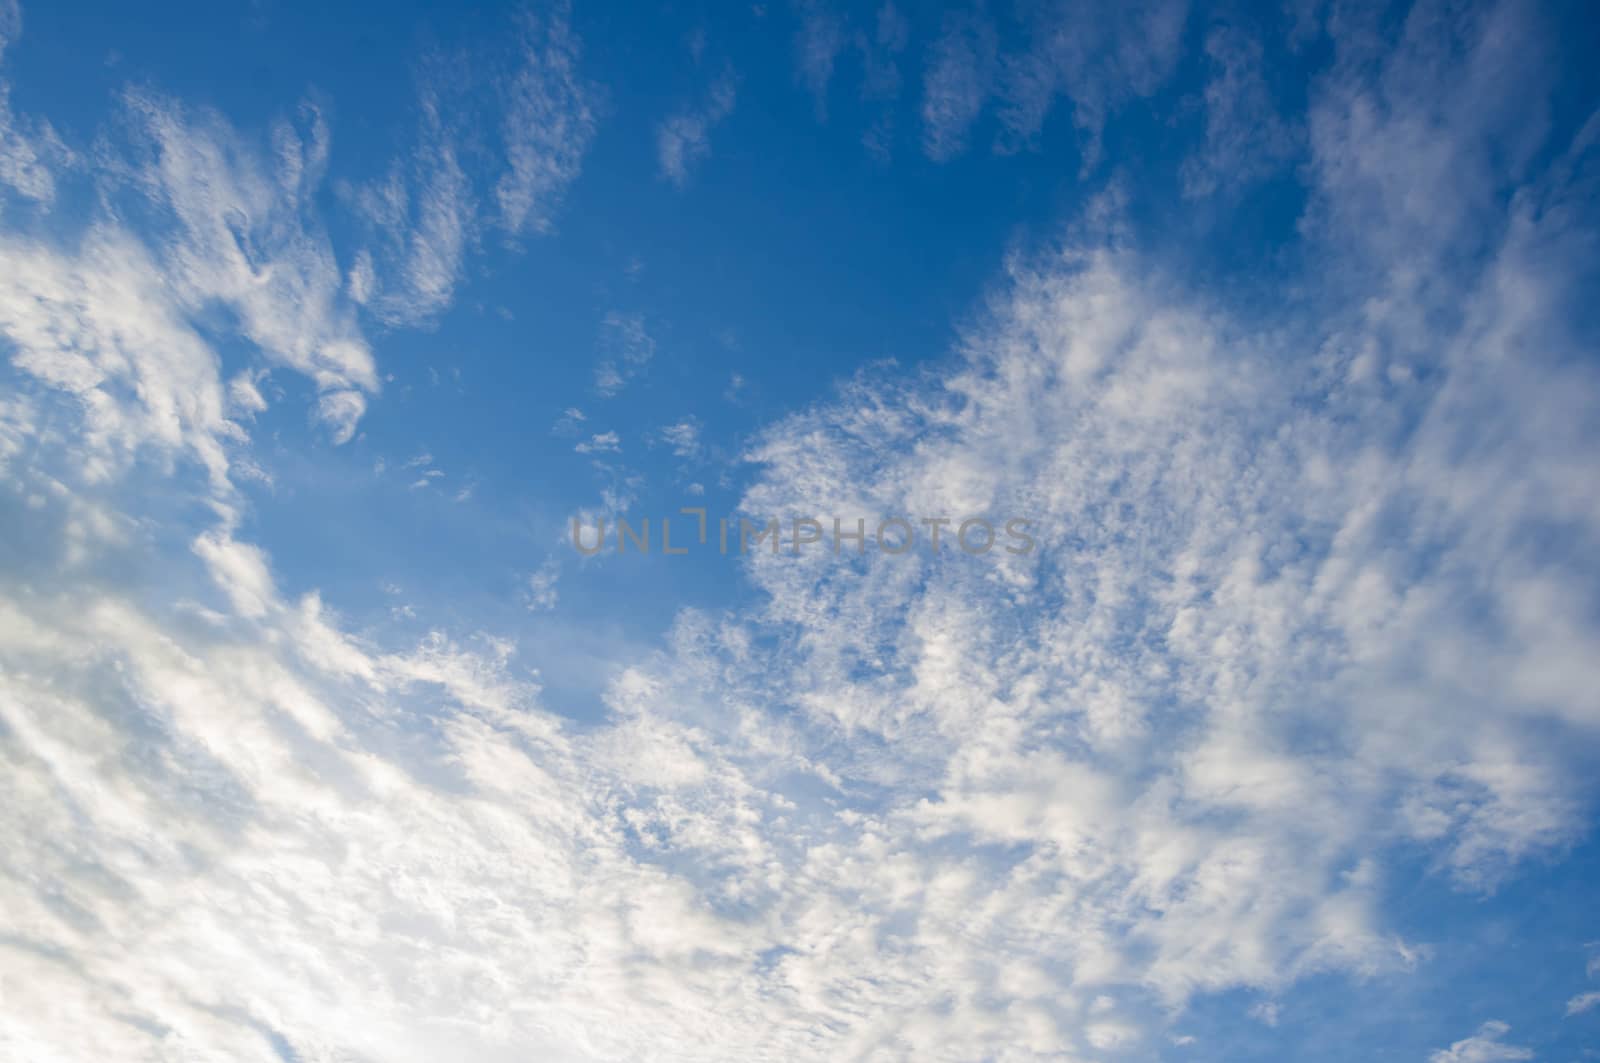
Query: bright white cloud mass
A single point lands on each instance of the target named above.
(1313, 616)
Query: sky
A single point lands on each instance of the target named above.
(329, 335)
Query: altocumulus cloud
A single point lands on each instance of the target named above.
(1079, 787)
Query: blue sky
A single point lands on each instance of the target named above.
(320, 329)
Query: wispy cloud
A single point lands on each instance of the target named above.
(569, 422)
(1097, 58)
(959, 78)
(818, 42)
(881, 80)
(542, 594)
(625, 350)
(425, 472)
(1583, 1002)
(683, 140)
(429, 212)
(424, 218)
(683, 438)
(229, 227)
(601, 443)
(550, 119)
(1485, 1046)
(1245, 138)
(27, 155)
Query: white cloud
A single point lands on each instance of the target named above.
(600, 443)
(425, 213)
(818, 42)
(542, 593)
(1483, 1047)
(27, 154)
(1245, 138)
(426, 473)
(428, 214)
(625, 350)
(244, 394)
(683, 438)
(569, 422)
(880, 83)
(240, 569)
(959, 78)
(1583, 1002)
(294, 873)
(107, 314)
(683, 140)
(1097, 58)
(99, 325)
(241, 235)
(341, 411)
(548, 124)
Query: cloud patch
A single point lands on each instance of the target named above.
(683, 141)
(626, 348)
